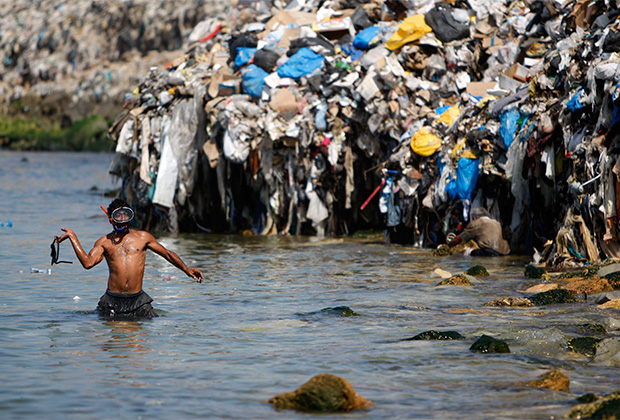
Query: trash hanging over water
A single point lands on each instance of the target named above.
(332, 117)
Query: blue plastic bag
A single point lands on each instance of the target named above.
(253, 80)
(466, 177)
(509, 126)
(367, 38)
(303, 62)
(574, 104)
(244, 55)
(351, 51)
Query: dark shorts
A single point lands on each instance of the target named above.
(126, 305)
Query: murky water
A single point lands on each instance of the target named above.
(255, 328)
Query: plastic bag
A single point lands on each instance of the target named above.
(303, 62)
(367, 38)
(424, 143)
(244, 55)
(449, 115)
(253, 80)
(466, 177)
(411, 29)
(574, 104)
(509, 126)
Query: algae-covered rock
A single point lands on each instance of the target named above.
(553, 297)
(457, 280)
(487, 344)
(323, 393)
(613, 279)
(511, 302)
(444, 250)
(437, 335)
(478, 271)
(554, 380)
(340, 311)
(587, 398)
(533, 272)
(606, 407)
(584, 345)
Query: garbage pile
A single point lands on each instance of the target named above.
(87, 52)
(329, 117)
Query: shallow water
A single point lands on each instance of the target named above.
(255, 327)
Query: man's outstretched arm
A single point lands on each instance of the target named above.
(173, 258)
(89, 260)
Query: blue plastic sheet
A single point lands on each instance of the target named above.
(244, 56)
(253, 80)
(303, 62)
(509, 126)
(367, 38)
(466, 177)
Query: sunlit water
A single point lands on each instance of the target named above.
(254, 328)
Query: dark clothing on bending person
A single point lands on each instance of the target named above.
(485, 252)
(127, 305)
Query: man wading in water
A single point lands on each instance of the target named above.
(125, 252)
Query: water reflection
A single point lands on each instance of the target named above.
(126, 339)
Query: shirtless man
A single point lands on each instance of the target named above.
(125, 252)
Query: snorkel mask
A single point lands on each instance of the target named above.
(121, 216)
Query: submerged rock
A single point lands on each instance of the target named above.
(511, 301)
(323, 393)
(478, 271)
(533, 272)
(436, 335)
(584, 345)
(340, 311)
(554, 380)
(606, 407)
(553, 297)
(487, 344)
(343, 311)
(607, 352)
(592, 329)
(457, 280)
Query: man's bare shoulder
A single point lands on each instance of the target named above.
(142, 234)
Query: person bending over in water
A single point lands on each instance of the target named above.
(125, 252)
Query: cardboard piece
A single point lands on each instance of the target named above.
(290, 34)
(284, 102)
(479, 88)
(223, 83)
(518, 72)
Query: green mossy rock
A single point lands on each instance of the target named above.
(587, 398)
(458, 280)
(437, 335)
(478, 271)
(536, 272)
(339, 311)
(605, 408)
(614, 280)
(553, 297)
(584, 345)
(487, 344)
(323, 393)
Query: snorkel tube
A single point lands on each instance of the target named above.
(106, 212)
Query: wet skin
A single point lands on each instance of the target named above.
(125, 253)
